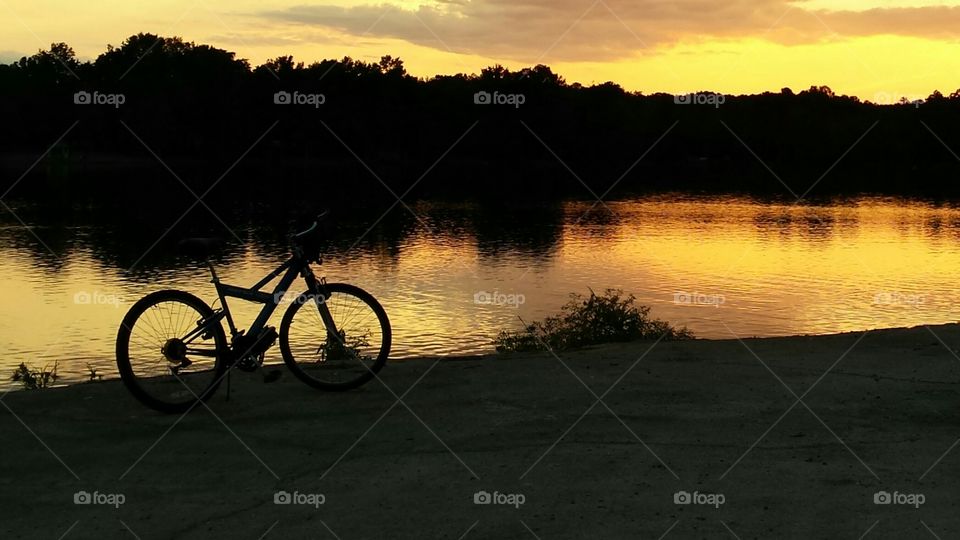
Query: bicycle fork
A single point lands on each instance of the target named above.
(320, 294)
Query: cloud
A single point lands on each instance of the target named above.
(535, 30)
(936, 22)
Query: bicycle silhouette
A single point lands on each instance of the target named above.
(172, 351)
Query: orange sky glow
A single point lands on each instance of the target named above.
(877, 50)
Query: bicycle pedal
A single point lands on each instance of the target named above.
(272, 375)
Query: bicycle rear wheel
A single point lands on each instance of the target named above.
(338, 360)
(171, 351)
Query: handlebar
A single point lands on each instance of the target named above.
(313, 227)
(307, 232)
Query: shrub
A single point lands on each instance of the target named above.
(35, 379)
(611, 317)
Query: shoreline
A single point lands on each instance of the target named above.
(706, 417)
(493, 355)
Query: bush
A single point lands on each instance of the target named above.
(611, 317)
(35, 379)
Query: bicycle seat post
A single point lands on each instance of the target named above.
(213, 271)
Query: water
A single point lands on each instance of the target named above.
(722, 266)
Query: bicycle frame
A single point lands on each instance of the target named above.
(290, 269)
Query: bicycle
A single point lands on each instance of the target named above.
(172, 351)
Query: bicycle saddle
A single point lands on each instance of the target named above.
(199, 247)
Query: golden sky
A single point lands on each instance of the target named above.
(876, 49)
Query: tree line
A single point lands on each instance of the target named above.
(156, 105)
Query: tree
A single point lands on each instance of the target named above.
(280, 66)
(57, 65)
(543, 75)
(935, 96)
(494, 73)
(155, 60)
(823, 91)
(392, 67)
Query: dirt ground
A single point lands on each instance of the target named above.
(794, 437)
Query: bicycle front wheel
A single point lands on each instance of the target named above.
(171, 350)
(338, 359)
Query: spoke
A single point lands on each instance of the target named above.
(154, 330)
(155, 325)
(351, 315)
(146, 345)
(179, 323)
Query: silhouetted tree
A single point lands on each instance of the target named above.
(199, 108)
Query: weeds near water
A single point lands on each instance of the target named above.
(35, 379)
(611, 317)
(344, 347)
(92, 374)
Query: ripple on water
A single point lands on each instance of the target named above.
(779, 269)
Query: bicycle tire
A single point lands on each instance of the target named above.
(377, 364)
(127, 372)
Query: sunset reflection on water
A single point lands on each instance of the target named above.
(723, 266)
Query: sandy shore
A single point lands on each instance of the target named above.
(879, 412)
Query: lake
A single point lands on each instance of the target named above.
(451, 275)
